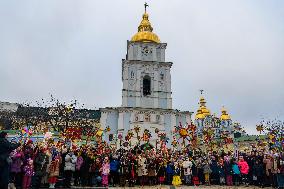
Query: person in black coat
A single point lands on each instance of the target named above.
(6, 148)
(258, 173)
(40, 166)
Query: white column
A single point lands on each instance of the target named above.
(120, 127)
(120, 121)
(156, 87)
(173, 122)
(169, 89)
(138, 86)
(103, 119)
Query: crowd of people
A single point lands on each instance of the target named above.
(33, 165)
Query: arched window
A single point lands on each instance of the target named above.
(146, 85)
(132, 75)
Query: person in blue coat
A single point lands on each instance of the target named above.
(169, 172)
(236, 173)
(114, 168)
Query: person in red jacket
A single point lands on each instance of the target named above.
(244, 169)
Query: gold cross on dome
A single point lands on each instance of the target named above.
(201, 91)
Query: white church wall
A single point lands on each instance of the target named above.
(168, 125)
(126, 122)
(111, 122)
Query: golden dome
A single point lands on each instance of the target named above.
(203, 107)
(205, 111)
(199, 114)
(145, 33)
(224, 115)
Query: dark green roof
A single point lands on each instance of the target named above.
(251, 138)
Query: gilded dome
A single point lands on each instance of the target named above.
(145, 33)
(203, 107)
(202, 111)
(199, 114)
(224, 115)
(205, 111)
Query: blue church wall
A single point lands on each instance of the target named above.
(183, 120)
(112, 122)
(178, 120)
(126, 123)
(167, 119)
(131, 101)
(163, 103)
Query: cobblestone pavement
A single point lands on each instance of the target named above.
(179, 187)
(191, 187)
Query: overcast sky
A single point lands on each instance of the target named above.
(234, 50)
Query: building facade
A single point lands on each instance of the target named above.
(146, 92)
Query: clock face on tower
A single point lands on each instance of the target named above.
(146, 51)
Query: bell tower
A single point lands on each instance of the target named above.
(146, 76)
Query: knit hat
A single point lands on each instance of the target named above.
(29, 142)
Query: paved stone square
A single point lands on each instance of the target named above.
(190, 187)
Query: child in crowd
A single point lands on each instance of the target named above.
(28, 173)
(236, 173)
(207, 171)
(176, 177)
(105, 172)
(53, 170)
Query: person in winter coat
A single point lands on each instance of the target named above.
(84, 170)
(28, 150)
(40, 165)
(187, 165)
(207, 171)
(114, 167)
(6, 148)
(53, 170)
(228, 167)
(221, 171)
(69, 169)
(28, 173)
(215, 174)
(244, 169)
(280, 175)
(161, 172)
(258, 173)
(95, 172)
(77, 173)
(132, 166)
(236, 173)
(176, 176)
(141, 170)
(123, 171)
(268, 163)
(152, 171)
(105, 172)
(169, 172)
(16, 168)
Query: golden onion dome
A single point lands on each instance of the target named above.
(199, 114)
(224, 116)
(145, 33)
(202, 103)
(205, 111)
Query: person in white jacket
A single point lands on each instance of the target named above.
(69, 169)
(187, 168)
